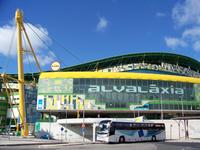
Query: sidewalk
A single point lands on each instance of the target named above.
(185, 140)
(17, 141)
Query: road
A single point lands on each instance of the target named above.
(130, 146)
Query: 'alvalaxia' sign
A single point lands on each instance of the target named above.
(152, 88)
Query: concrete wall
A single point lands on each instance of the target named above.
(175, 129)
(194, 129)
(73, 134)
(172, 129)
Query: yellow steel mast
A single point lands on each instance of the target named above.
(19, 22)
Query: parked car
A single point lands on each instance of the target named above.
(46, 136)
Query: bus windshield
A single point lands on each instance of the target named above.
(103, 127)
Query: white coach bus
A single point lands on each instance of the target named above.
(120, 132)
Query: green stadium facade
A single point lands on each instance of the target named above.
(157, 85)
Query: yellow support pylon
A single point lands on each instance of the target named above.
(19, 22)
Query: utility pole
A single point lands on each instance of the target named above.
(182, 109)
(138, 101)
(19, 22)
(66, 120)
(161, 107)
(83, 125)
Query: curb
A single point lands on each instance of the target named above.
(43, 144)
(183, 141)
(35, 143)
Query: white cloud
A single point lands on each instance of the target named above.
(35, 41)
(175, 42)
(102, 24)
(160, 14)
(186, 15)
(196, 46)
(192, 33)
(6, 33)
(187, 12)
(42, 59)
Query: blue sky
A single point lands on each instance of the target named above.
(96, 29)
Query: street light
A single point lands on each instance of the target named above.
(171, 131)
(179, 131)
(161, 107)
(49, 124)
(83, 126)
(137, 96)
(182, 106)
(66, 122)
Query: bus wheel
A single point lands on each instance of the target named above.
(153, 138)
(121, 139)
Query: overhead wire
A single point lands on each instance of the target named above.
(58, 43)
(31, 48)
(26, 53)
(44, 42)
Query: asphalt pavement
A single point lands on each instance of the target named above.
(128, 146)
(20, 143)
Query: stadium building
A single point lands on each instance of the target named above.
(3, 110)
(156, 85)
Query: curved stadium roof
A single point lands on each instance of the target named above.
(152, 58)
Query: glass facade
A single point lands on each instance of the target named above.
(116, 94)
(3, 110)
(30, 104)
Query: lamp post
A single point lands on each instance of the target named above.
(161, 107)
(171, 131)
(66, 123)
(182, 106)
(138, 104)
(179, 134)
(83, 124)
(49, 119)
